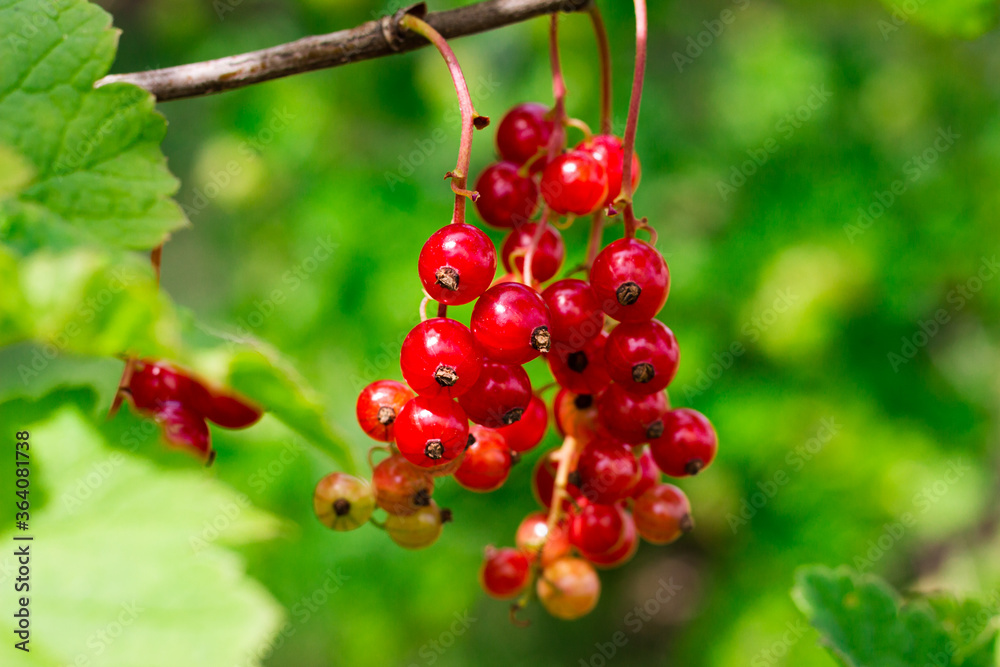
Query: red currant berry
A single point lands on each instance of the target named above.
(575, 415)
(418, 530)
(649, 473)
(633, 418)
(624, 552)
(183, 428)
(582, 371)
(597, 529)
(230, 411)
(533, 535)
(401, 487)
(343, 502)
(574, 182)
(642, 356)
(688, 444)
(607, 471)
(569, 588)
(504, 573)
(431, 431)
(154, 383)
(506, 199)
(439, 357)
(499, 397)
(511, 323)
(487, 461)
(447, 469)
(662, 514)
(575, 315)
(548, 257)
(378, 407)
(523, 132)
(608, 150)
(543, 480)
(528, 431)
(631, 280)
(457, 264)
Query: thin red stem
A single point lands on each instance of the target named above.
(633, 114)
(459, 177)
(558, 91)
(529, 257)
(604, 51)
(596, 236)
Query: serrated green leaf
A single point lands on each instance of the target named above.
(865, 624)
(118, 576)
(98, 172)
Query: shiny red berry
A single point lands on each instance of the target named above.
(533, 536)
(378, 407)
(607, 471)
(622, 553)
(439, 357)
(582, 371)
(597, 529)
(487, 461)
(574, 182)
(575, 315)
(511, 323)
(631, 280)
(504, 573)
(499, 397)
(688, 444)
(457, 264)
(608, 150)
(431, 431)
(183, 428)
(506, 199)
(575, 415)
(549, 253)
(528, 431)
(632, 417)
(662, 514)
(401, 487)
(649, 473)
(523, 132)
(642, 357)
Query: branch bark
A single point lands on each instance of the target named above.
(373, 39)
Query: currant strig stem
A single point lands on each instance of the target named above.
(604, 52)
(567, 454)
(470, 119)
(596, 235)
(558, 91)
(633, 115)
(529, 257)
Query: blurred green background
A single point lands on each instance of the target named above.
(823, 180)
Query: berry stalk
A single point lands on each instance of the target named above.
(633, 115)
(567, 453)
(558, 91)
(604, 52)
(529, 257)
(470, 119)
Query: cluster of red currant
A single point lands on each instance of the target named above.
(603, 487)
(182, 406)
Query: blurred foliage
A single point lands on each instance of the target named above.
(823, 187)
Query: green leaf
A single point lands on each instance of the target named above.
(121, 570)
(98, 174)
(864, 623)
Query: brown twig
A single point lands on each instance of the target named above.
(373, 39)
